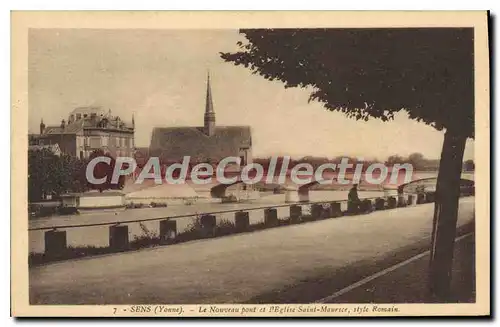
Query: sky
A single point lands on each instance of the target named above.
(159, 76)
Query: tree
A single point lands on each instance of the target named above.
(49, 174)
(374, 73)
(39, 185)
(104, 170)
(395, 159)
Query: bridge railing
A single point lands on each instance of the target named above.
(173, 229)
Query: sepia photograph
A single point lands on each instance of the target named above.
(236, 165)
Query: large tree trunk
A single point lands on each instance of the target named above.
(445, 215)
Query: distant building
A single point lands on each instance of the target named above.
(88, 129)
(203, 143)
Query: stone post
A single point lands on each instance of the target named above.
(55, 242)
(295, 213)
(316, 211)
(208, 224)
(271, 217)
(352, 208)
(335, 209)
(366, 206)
(420, 198)
(242, 220)
(411, 199)
(118, 237)
(391, 202)
(401, 201)
(168, 230)
(379, 204)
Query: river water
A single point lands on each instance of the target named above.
(99, 235)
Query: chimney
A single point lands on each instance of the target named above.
(42, 126)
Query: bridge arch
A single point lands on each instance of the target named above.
(300, 193)
(219, 191)
(429, 185)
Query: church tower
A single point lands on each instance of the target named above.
(209, 126)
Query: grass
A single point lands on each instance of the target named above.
(146, 239)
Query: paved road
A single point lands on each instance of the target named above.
(239, 268)
(404, 284)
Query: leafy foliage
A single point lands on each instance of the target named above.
(103, 170)
(49, 174)
(376, 72)
(52, 175)
(372, 72)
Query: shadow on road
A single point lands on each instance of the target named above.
(407, 284)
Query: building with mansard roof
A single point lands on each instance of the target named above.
(86, 130)
(207, 143)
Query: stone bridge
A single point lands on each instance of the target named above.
(293, 191)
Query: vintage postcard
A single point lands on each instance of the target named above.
(250, 164)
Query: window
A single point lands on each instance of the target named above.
(95, 142)
(80, 142)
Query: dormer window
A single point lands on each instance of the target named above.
(103, 123)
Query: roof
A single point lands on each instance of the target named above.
(97, 122)
(88, 110)
(173, 143)
(68, 129)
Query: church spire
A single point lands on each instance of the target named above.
(209, 110)
(209, 106)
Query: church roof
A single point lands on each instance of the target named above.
(173, 143)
